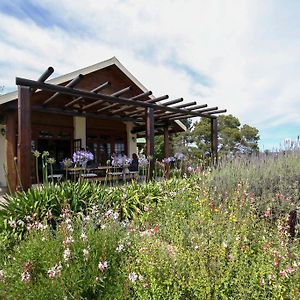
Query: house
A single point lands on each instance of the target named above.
(103, 108)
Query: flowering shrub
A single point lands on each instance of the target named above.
(176, 239)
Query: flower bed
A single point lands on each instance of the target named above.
(177, 239)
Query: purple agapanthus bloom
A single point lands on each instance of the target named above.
(82, 156)
(168, 160)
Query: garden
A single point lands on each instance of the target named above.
(229, 232)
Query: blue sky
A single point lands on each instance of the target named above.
(240, 55)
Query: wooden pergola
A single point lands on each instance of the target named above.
(144, 110)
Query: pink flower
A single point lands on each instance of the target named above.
(268, 213)
(25, 277)
(102, 266)
(55, 272)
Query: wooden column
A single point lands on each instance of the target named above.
(166, 151)
(24, 136)
(214, 140)
(11, 149)
(150, 140)
(166, 142)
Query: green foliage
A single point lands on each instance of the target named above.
(232, 138)
(203, 237)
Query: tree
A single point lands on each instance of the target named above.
(232, 138)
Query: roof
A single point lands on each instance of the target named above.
(90, 69)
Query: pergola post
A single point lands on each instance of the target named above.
(24, 136)
(214, 140)
(11, 147)
(166, 151)
(150, 140)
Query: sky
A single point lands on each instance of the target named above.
(242, 55)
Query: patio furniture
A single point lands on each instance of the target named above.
(55, 177)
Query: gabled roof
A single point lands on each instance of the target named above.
(68, 77)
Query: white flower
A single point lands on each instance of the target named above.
(12, 223)
(2, 275)
(133, 277)
(85, 253)
(103, 226)
(67, 254)
(68, 241)
(102, 265)
(109, 213)
(120, 248)
(115, 215)
(86, 218)
(20, 222)
(25, 277)
(55, 271)
(83, 236)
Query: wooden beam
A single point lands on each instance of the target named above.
(44, 76)
(150, 140)
(220, 111)
(86, 94)
(115, 94)
(124, 108)
(166, 142)
(95, 90)
(177, 106)
(184, 116)
(24, 136)
(71, 84)
(214, 140)
(11, 149)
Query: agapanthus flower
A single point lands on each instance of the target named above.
(102, 265)
(67, 163)
(82, 156)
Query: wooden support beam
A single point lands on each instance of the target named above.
(178, 116)
(44, 76)
(214, 140)
(140, 111)
(71, 84)
(177, 106)
(24, 136)
(220, 111)
(166, 142)
(124, 108)
(11, 149)
(115, 94)
(108, 98)
(150, 140)
(95, 90)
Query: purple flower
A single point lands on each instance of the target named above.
(82, 156)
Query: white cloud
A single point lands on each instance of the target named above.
(253, 69)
